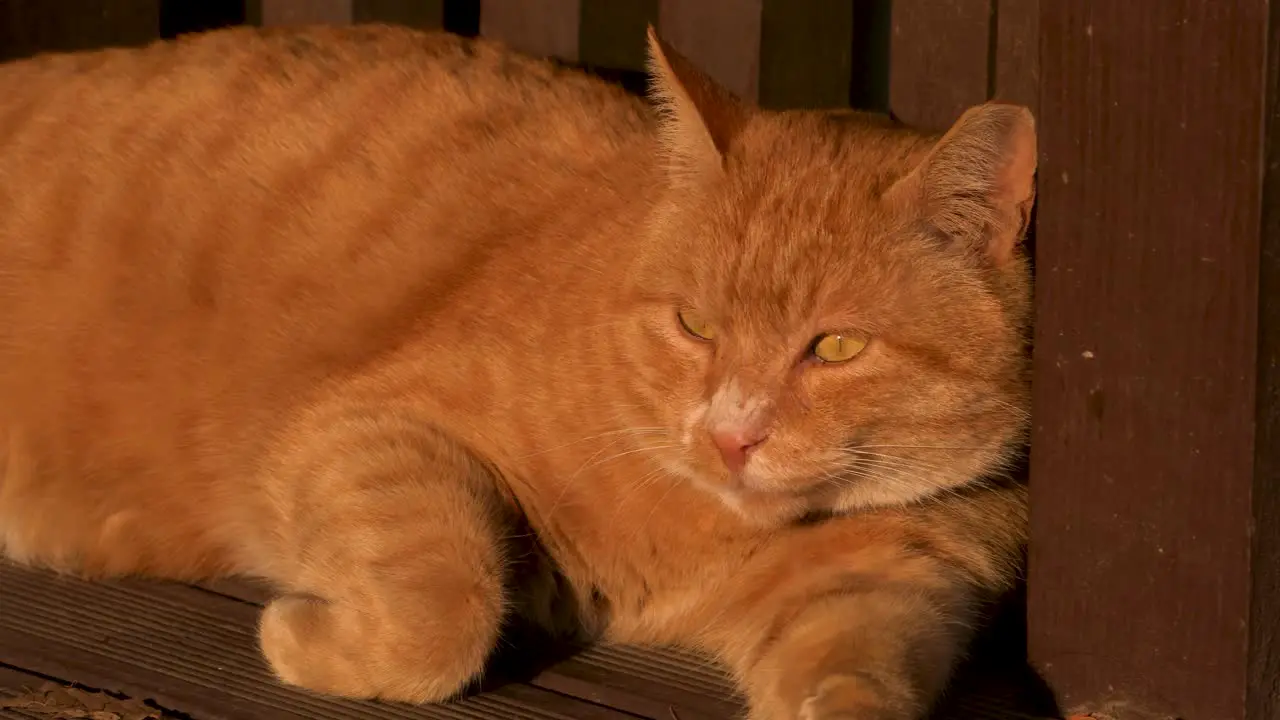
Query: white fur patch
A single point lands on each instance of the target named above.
(732, 408)
(692, 421)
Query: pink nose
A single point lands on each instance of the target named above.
(736, 445)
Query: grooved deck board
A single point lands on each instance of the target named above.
(194, 651)
(649, 683)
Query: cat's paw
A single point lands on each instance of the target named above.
(298, 639)
(337, 650)
(846, 697)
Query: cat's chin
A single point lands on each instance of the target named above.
(772, 506)
(763, 508)
(761, 502)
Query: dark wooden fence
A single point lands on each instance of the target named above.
(925, 59)
(1155, 562)
(779, 53)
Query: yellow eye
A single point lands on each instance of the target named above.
(696, 325)
(836, 348)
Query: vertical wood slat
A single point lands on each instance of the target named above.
(305, 12)
(1155, 531)
(612, 33)
(31, 26)
(547, 28)
(939, 58)
(1017, 53)
(722, 38)
(806, 53)
(413, 13)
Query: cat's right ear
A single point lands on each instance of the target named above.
(977, 185)
(698, 118)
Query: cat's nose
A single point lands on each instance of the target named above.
(735, 446)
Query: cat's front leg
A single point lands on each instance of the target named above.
(858, 652)
(866, 619)
(387, 540)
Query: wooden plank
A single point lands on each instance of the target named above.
(806, 53)
(1154, 528)
(657, 684)
(304, 12)
(31, 26)
(196, 653)
(612, 33)
(1017, 54)
(938, 64)
(722, 38)
(413, 13)
(248, 590)
(544, 28)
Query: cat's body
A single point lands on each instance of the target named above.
(338, 308)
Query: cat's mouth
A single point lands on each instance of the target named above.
(765, 488)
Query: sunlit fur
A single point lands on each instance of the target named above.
(346, 308)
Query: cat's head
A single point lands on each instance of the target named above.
(832, 311)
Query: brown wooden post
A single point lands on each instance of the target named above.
(722, 38)
(939, 54)
(538, 27)
(1155, 548)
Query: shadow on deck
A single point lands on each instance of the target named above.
(164, 650)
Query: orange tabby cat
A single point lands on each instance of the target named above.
(340, 307)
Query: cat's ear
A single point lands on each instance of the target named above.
(977, 185)
(697, 117)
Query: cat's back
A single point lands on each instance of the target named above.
(221, 222)
(247, 132)
(286, 179)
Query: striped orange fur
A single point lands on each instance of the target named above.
(347, 308)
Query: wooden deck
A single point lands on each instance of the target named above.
(160, 650)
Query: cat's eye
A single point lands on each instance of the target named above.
(696, 325)
(837, 348)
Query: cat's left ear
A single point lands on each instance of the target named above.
(698, 118)
(977, 185)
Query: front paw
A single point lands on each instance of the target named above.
(848, 697)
